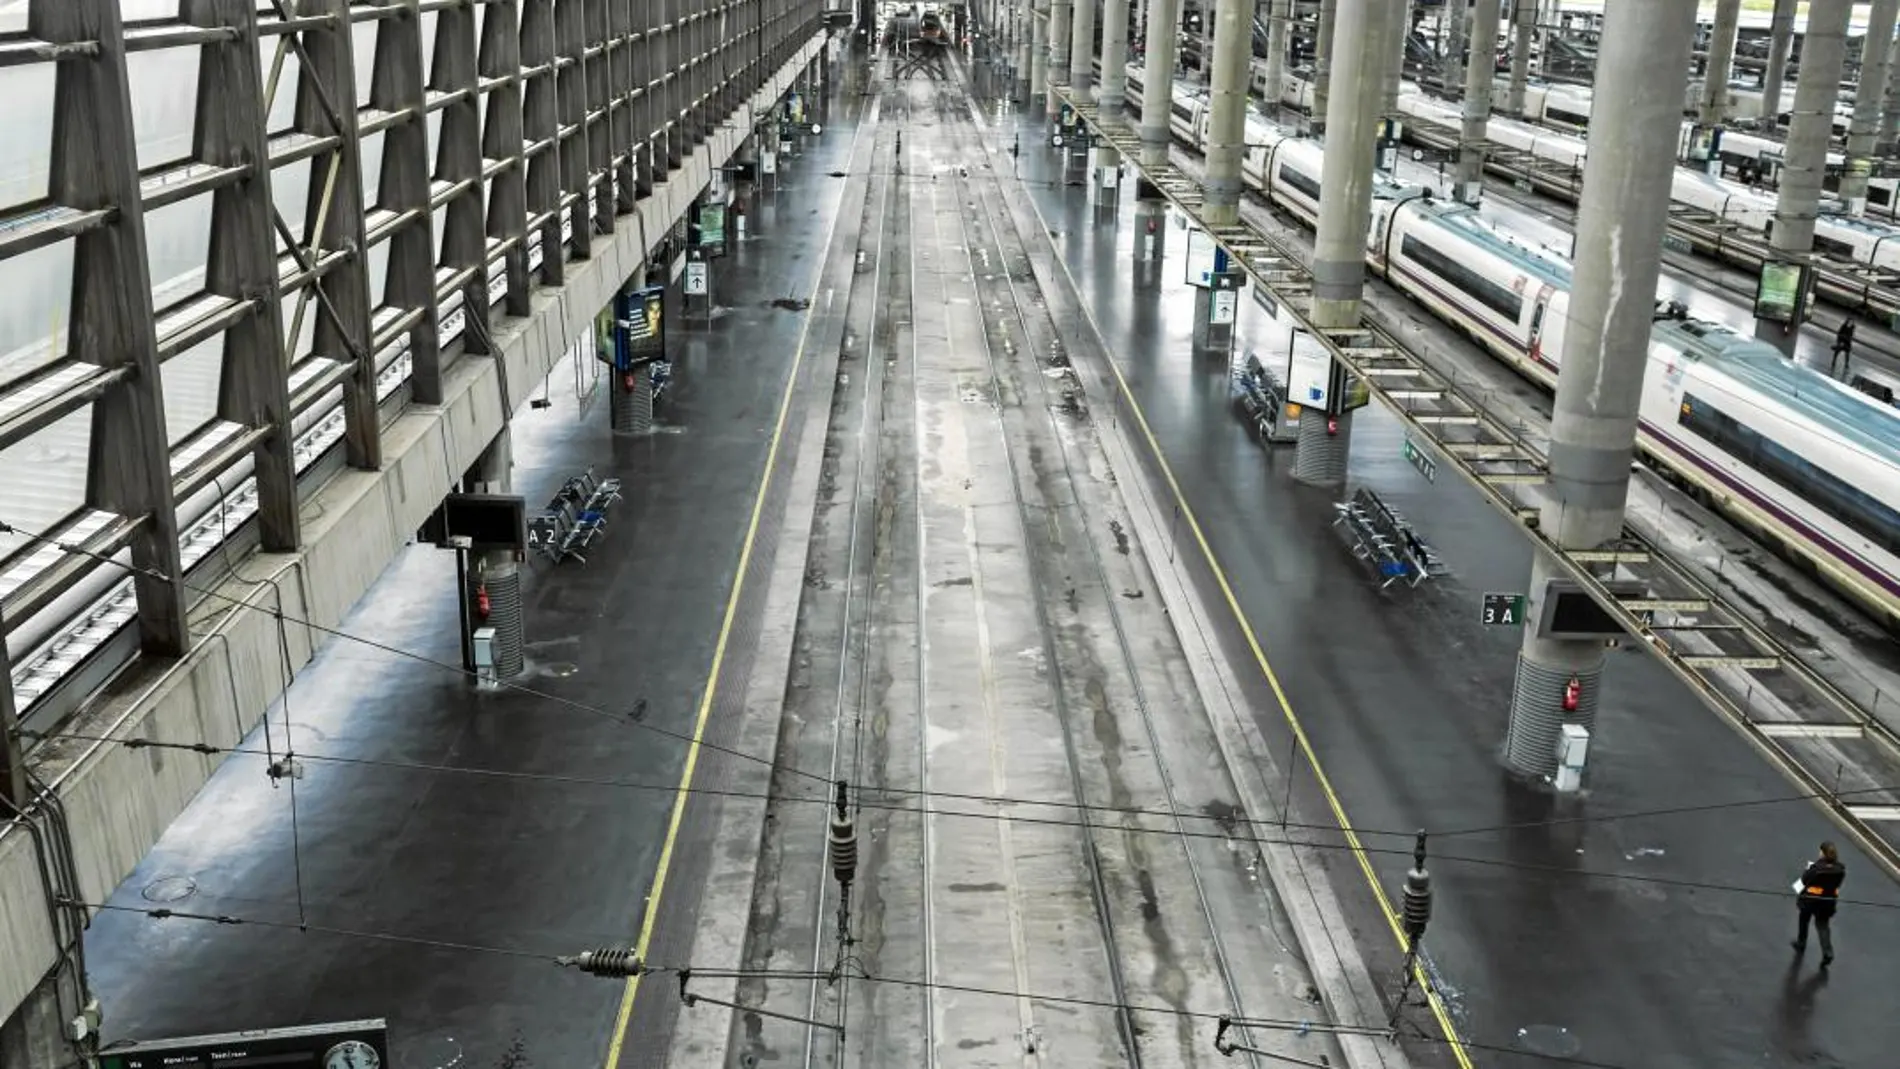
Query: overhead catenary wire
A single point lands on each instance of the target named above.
(623, 964)
(826, 798)
(622, 719)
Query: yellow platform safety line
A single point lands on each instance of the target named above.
(684, 791)
(1299, 732)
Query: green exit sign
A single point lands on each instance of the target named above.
(1418, 458)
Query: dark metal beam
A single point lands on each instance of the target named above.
(502, 135)
(541, 118)
(601, 145)
(326, 105)
(620, 83)
(570, 43)
(396, 84)
(13, 781)
(459, 160)
(254, 388)
(95, 165)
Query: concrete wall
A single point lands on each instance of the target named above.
(120, 800)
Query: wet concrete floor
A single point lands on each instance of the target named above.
(525, 865)
(1639, 942)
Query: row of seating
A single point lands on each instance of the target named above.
(1383, 538)
(573, 517)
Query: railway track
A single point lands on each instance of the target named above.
(976, 626)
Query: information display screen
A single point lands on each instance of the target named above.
(1779, 290)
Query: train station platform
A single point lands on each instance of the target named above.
(1563, 928)
(446, 843)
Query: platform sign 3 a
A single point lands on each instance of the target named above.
(1502, 610)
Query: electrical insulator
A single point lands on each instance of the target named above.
(606, 962)
(843, 841)
(1417, 910)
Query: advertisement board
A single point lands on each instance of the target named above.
(1778, 291)
(1309, 377)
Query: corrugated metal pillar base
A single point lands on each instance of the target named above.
(1537, 711)
(1319, 458)
(501, 576)
(631, 409)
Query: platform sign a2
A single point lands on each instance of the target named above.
(1502, 610)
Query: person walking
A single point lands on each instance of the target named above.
(1818, 892)
(1843, 346)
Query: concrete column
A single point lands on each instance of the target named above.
(1323, 62)
(1114, 57)
(1523, 31)
(1620, 224)
(1345, 208)
(1823, 48)
(1025, 62)
(1456, 18)
(1889, 132)
(1106, 178)
(1279, 18)
(1082, 47)
(1714, 110)
(1157, 80)
(1227, 105)
(1868, 99)
(1059, 19)
(1477, 105)
(1038, 54)
(1780, 43)
(1389, 84)
(1151, 237)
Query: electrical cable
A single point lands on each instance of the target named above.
(624, 720)
(687, 971)
(862, 804)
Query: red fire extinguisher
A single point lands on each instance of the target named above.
(626, 381)
(1573, 694)
(482, 604)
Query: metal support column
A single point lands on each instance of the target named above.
(1523, 33)
(1823, 50)
(1279, 23)
(1082, 47)
(496, 573)
(396, 86)
(1715, 95)
(1889, 134)
(1345, 210)
(254, 382)
(1780, 45)
(1620, 223)
(1869, 95)
(93, 167)
(1227, 105)
(1157, 81)
(505, 126)
(1026, 24)
(327, 107)
(1477, 104)
(464, 237)
(1114, 58)
(1323, 62)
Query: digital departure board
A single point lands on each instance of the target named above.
(343, 1045)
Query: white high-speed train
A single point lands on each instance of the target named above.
(1812, 466)
(1841, 236)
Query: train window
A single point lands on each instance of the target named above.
(1571, 117)
(1822, 489)
(1299, 181)
(1834, 247)
(1499, 299)
(1183, 111)
(1880, 196)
